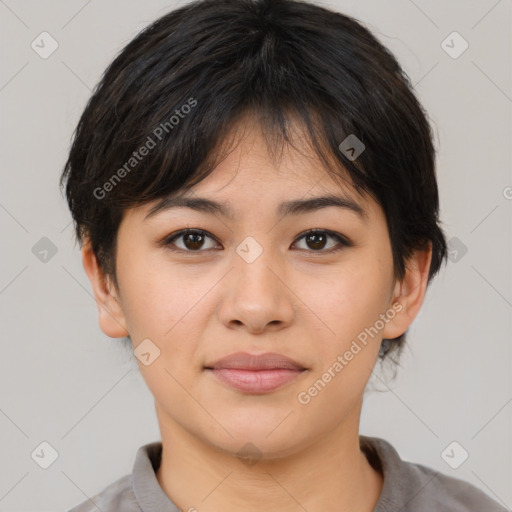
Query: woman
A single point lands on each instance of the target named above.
(253, 186)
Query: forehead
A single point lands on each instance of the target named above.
(250, 174)
(250, 154)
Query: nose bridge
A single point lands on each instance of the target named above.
(252, 262)
(255, 295)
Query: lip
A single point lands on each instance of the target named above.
(246, 361)
(255, 374)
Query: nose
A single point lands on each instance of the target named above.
(256, 295)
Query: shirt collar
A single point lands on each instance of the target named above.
(148, 492)
(396, 490)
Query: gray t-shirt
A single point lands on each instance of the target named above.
(407, 487)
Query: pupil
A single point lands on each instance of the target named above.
(312, 236)
(195, 244)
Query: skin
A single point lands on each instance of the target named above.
(295, 299)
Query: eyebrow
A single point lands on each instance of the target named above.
(294, 207)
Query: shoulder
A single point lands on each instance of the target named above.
(446, 493)
(117, 496)
(414, 487)
(133, 492)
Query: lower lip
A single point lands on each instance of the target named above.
(255, 381)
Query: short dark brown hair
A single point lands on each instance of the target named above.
(179, 86)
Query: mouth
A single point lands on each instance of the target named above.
(255, 374)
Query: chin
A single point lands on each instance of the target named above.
(253, 441)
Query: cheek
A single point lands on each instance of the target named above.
(349, 299)
(156, 298)
(170, 307)
(348, 305)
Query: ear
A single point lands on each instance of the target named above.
(409, 293)
(110, 314)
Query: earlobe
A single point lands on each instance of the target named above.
(409, 293)
(110, 314)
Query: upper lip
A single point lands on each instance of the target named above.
(245, 361)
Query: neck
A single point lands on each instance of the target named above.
(330, 473)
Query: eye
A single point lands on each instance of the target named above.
(317, 238)
(193, 240)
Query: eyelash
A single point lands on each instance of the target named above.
(342, 241)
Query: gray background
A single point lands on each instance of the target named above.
(64, 382)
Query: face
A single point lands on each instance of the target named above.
(258, 282)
